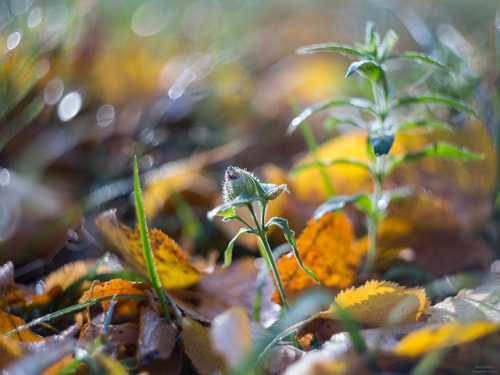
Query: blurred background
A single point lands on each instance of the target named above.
(191, 87)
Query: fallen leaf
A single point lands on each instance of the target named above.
(327, 248)
(231, 336)
(14, 294)
(124, 309)
(482, 303)
(198, 347)
(224, 288)
(174, 268)
(438, 337)
(10, 349)
(9, 322)
(377, 301)
(156, 339)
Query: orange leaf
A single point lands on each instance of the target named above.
(174, 268)
(327, 248)
(376, 302)
(123, 307)
(442, 336)
(10, 349)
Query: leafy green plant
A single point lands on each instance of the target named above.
(379, 117)
(242, 189)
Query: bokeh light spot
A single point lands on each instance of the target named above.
(34, 18)
(105, 115)
(69, 106)
(150, 18)
(13, 40)
(53, 91)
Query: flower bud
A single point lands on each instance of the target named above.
(237, 181)
(275, 192)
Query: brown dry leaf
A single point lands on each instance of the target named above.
(9, 322)
(231, 336)
(198, 347)
(121, 342)
(124, 309)
(10, 349)
(438, 337)
(224, 288)
(328, 248)
(156, 339)
(174, 267)
(377, 301)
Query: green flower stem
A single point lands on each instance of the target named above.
(373, 217)
(274, 268)
(244, 222)
(268, 255)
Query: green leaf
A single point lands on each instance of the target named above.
(388, 43)
(420, 58)
(336, 203)
(381, 141)
(228, 254)
(397, 194)
(146, 245)
(332, 121)
(329, 47)
(425, 123)
(358, 64)
(436, 99)
(290, 237)
(440, 150)
(372, 39)
(360, 103)
(224, 209)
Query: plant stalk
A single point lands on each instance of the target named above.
(274, 268)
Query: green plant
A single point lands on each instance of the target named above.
(379, 117)
(242, 189)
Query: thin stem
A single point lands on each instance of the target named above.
(244, 222)
(263, 215)
(274, 267)
(373, 217)
(252, 211)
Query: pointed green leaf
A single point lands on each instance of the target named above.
(290, 237)
(440, 150)
(329, 47)
(372, 39)
(425, 123)
(388, 43)
(228, 254)
(241, 200)
(358, 64)
(418, 57)
(360, 103)
(437, 99)
(332, 121)
(336, 203)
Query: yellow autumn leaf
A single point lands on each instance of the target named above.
(10, 349)
(198, 347)
(437, 337)
(377, 301)
(328, 248)
(9, 322)
(174, 267)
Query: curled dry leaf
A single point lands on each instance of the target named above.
(376, 302)
(198, 347)
(327, 248)
(156, 338)
(436, 337)
(231, 336)
(174, 267)
(124, 309)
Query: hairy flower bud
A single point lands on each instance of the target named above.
(237, 181)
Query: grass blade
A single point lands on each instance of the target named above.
(146, 245)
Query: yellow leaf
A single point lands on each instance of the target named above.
(198, 347)
(9, 322)
(442, 336)
(377, 301)
(10, 349)
(327, 247)
(174, 267)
